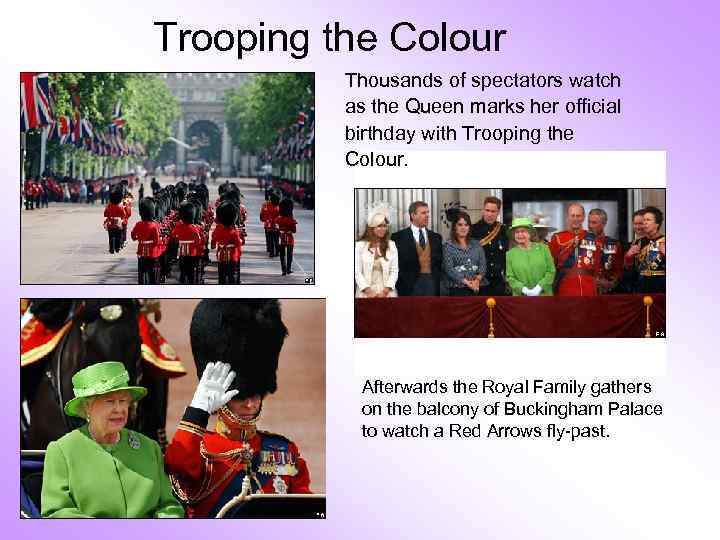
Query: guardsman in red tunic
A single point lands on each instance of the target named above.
(190, 243)
(236, 345)
(127, 206)
(576, 255)
(226, 238)
(29, 194)
(147, 234)
(115, 215)
(287, 227)
(269, 211)
(609, 250)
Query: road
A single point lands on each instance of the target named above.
(66, 244)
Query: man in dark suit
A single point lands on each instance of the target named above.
(419, 255)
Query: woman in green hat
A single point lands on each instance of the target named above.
(529, 265)
(102, 469)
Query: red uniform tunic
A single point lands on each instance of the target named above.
(268, 213)
(577, 266)
(114, 216)
(287, 227)
(207, 468)
(147, 234)
(189, 238)
(228, 243)
(127, 206)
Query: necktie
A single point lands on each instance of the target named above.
(422, 239)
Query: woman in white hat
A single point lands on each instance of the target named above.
(376, 257)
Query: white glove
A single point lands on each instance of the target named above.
(537, 289)
(211, 392)
(526, 291)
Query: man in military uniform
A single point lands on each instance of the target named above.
(576, 256)
(493, 238)
(649, 257)
(236, 345)
(630, 277)
(609, 250)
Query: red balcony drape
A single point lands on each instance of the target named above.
(516, 316)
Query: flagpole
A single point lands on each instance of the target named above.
(22, 156)
(43, 148)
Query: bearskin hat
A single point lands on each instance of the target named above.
(248, 334)
(147, 209)
(274, 198)
(232, 196)
(187, 212)
(116, 195)
(286, 208)
(52, 312)
(227, 213)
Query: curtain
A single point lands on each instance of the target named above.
(513, 316)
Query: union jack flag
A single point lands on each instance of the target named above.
(35, 102)
(60, 129)
(86, 128)
(75, 130)
(118, 122)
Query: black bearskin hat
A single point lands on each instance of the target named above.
(147, 209)
(286, 208)
(247, 334)
(227, 214)
(274, 198)
(116, 195)
(187, 212)
(52, 312)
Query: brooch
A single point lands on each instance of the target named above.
(133, 441)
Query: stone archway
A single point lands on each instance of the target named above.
(205, 138)
(202, 100)
(208, 122)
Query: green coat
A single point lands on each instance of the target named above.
(84, 479)
(530, 267)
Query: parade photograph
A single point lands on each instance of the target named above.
(149, 408)
(167, 178)
(502, 262)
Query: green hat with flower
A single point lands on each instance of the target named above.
(97, 380)
(524, 222)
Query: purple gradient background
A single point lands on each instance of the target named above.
(657, 478)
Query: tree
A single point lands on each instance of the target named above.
(148, 108)
(267, 103)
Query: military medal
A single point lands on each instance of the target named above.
(280, 486)
(277, 462)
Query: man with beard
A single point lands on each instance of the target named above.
(609, 251)
(493, 238)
